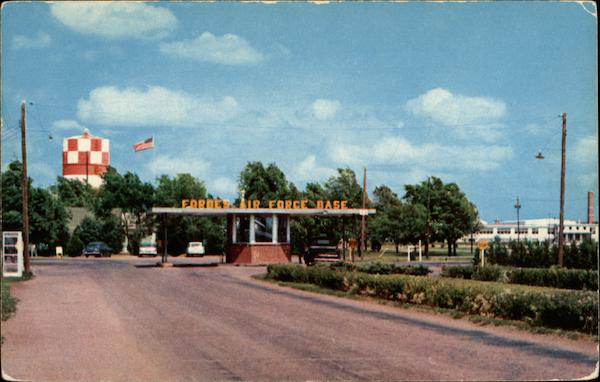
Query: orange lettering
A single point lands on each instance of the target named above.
(256, 204)
(225, 203)
(344, 204)
(304, 204)
(194, 203)
(296, 204)
(201, 203)
(271, 203)
(184, 203)
(280, 204)
(336, 204)
(328, 204)
(218, 203)
(288, 204)
(319, 204)
(243, 204)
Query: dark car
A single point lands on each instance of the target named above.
(321, 248)
(97, 248)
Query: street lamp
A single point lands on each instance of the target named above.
(518, 207)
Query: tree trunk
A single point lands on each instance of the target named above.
(449, 248)
(397, 250)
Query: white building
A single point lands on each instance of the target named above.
(537, 230)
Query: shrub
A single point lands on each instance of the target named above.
(489, 273)
(9, 303)
(458, 272)
(575, 310)
(74, 246)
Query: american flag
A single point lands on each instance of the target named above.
(144, 145)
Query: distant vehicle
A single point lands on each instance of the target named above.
(195, 248)
(148, 249)
(97, 248)
(321, 249)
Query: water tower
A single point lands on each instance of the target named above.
(85, 157)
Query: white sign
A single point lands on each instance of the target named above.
(12, 254)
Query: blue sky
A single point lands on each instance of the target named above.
(468, 92)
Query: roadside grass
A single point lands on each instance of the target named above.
(7, 301)
(477, 319)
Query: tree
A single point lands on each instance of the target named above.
(48, 216)
(451, 214)
(183, 229)
(132, 197)
(263, 183)
(73, 192)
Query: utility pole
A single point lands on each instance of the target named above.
(363, 243)
(518, 207)
(561, 226)
(25, 186)
(428, 228)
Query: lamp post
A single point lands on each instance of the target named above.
(518, 207)
(561, 223)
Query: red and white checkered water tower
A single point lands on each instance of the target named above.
(86, 157)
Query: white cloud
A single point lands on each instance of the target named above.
(308, 169)
(115, 19)
(153, 106)
(228, 49)
(449, 109)
(42, 40)
(586, 150)
(399, 151)
(67, 124)
(222, 186)
(184, 163)
(325, 108)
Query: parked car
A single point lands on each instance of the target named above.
(195, 248)
(321, 249)
(97, 248)
(148, 249)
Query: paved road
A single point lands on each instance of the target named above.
(106, 319)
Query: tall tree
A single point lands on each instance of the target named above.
(263, 183)
(132, 198)
(183, 229)
(73, 192)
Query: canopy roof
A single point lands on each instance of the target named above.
(261, 211)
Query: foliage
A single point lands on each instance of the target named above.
(183, 229)
(9, 303)
(74, 246)
(73, 192)
(380, 268)
(48, 216)
(132, 197)
(554, 277)
(573, 310)
(263, 183)
(533, 254)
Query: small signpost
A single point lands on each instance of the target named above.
(408, 250)
(483, 245)
(12, 254)
(420, 252)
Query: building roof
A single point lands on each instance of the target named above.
(260, 211)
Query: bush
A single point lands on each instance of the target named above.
(9, 303)
(458, 272)
(553, 277)
(74, 246)
(380, 268)
(574, 310)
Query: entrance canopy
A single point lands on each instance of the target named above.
(258, 235)
(261, 211)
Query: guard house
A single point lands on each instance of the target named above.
(259, 235)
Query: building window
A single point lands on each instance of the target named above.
(282, 228)
(523, 230)
(534, 231)
(263, 229)
(503, 231)
(242, 229)
(486, 231)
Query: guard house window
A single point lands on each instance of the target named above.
(263, 229)
(282, 228)
(242, 229)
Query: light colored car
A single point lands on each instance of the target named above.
(195, 248)
(148, 249)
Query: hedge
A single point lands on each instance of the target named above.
(380, 268)
(553, 277)
(573, 310)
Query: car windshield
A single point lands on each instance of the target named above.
(148, 245)
(94, 244)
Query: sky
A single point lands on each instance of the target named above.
(467, 92)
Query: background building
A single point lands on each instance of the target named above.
(86, 157)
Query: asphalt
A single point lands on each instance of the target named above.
(121, 319)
